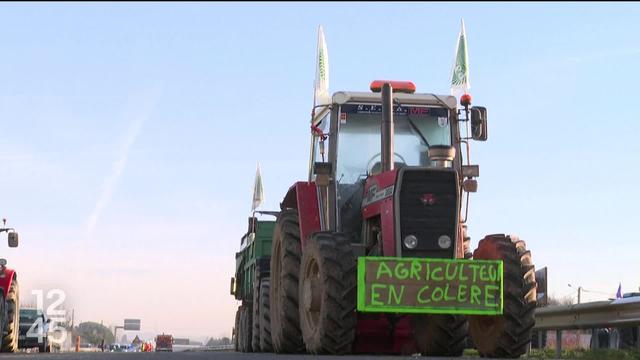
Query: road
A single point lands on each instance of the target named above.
(191, 355)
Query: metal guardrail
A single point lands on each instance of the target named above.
(593, 315)
(220, 348)
(177, 348)
(599, 314)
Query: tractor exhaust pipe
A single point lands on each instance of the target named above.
(387, 128)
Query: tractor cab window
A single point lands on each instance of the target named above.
(28, 315)
(415, 129)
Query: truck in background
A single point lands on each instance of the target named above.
(164, 342)
(34, 330)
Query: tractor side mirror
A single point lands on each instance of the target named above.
(13, 239)
(323, 173)
(253, 225)
(479, 123)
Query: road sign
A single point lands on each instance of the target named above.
(132, 324)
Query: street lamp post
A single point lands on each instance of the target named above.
(579, 291)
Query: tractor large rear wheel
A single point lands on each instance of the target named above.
(440, 335)
(265, 317)
(508, 335)
(327, 294)
(285, 266)
(11, 324)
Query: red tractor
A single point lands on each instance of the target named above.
(389, 178)
(10, 301)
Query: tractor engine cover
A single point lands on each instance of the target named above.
(426, 203)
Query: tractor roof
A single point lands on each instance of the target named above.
(342, 97)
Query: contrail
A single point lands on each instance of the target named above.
(120, 163)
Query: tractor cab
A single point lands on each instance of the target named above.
(421, 138)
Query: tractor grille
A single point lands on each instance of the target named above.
(428, 208)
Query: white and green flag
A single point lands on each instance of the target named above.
(258, 191)
(460, 74)
(321, 92)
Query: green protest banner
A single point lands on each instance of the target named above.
(436, 286)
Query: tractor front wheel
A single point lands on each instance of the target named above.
(285, 266)
(507, 335)
(11, 324)
(440, 335)
(327, 294)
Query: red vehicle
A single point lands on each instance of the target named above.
(9, 302)
(164, 343)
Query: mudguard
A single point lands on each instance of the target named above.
(303, 196)
(6, 278)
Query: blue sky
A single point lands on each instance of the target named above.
(131, 134)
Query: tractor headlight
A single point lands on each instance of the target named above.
(444, 241)
(411, 242)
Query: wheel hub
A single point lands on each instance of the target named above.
(311, 299)
(311, 294)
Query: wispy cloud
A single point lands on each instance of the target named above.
(144, 107)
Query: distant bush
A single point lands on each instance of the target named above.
(93, 333)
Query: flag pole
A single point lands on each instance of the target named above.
(460, 80)
(460, 84)
(258, 191)
(320, 85)
(311, 149)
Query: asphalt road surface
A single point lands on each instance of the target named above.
(193, 355)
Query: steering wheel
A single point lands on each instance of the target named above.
(371, 165)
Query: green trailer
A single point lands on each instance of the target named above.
(250, 286)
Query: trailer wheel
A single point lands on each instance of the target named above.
(44, 347)
(236, 329)
(328, 294)
(508, 335)
(244, 335)
(241, 331)
(255, 320)
(247, 328)
(10, 338)
(440, 335)
(285, 266)
(265, 317)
